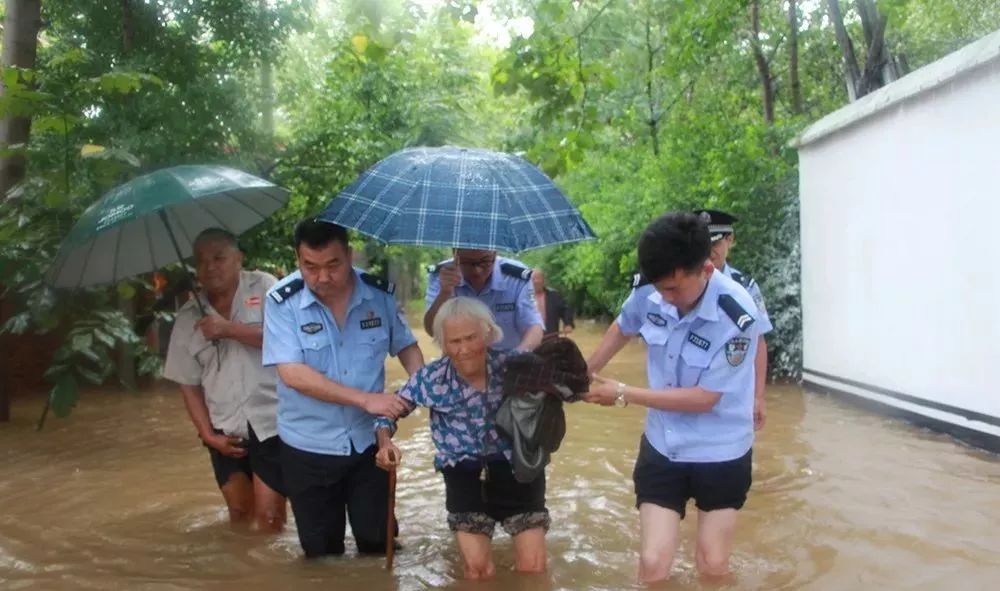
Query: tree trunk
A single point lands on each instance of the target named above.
(852, 75)
(763, 67)
(20, 44)
(20, 41)
(793, 57)
(266, 89)
(654, 119)
(128, 31)
(880, 69)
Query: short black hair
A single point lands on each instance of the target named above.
(674, 241)
(317, 234)
(217, 235)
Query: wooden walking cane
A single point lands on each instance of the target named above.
(390, 531)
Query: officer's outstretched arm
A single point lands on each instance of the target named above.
(532, 338)
(411, 358)
(308, 381)
(611, 343)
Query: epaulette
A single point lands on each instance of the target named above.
(379, 283)
(280, 294)
(744, 280)
(735, 311)
(638, 281)
(512, 270)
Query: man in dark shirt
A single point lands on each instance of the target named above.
(552, 306)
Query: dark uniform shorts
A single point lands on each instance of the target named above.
(475, 505)
(263, 459)
(713, 485)
(326, 491)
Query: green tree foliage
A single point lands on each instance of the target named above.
(635, 107)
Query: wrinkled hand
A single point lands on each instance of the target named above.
(759, 413)
(602, 391)
(227, 445)
(214, 327)
(385, 405)
(388, 457)
(449, 278)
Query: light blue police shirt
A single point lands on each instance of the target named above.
(706, 348)
(753, 288)
(300, 329)
(510, 298)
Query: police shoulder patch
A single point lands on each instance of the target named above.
(736, 350)
(517, 271)
(281, 293)
(735, 311)
(379, 283)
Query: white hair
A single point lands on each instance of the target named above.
(466, 307)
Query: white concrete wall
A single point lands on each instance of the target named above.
(901, 247)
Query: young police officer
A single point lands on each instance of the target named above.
(701, 333)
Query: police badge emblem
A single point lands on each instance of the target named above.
(736, 350)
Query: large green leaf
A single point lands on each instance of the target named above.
(64, 395)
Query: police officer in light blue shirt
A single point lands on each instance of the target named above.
(328, 329)
(720, 226)
(504, 285)
(701, 330)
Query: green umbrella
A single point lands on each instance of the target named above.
(152, 220)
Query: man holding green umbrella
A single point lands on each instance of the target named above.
(230, 396)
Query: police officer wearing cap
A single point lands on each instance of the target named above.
(720, 226)
(327, 329)
(504, 285)
(701, 333)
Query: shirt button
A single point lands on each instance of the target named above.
(345, 372)
(671, 356)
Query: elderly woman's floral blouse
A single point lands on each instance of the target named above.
(463, 419)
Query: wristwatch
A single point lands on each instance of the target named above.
(620, 401)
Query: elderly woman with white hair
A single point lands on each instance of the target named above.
(463, 390)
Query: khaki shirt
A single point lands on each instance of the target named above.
(243, 390)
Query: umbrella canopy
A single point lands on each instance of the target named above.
(458, 197)
(152, 220)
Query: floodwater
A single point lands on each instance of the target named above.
(121, 496)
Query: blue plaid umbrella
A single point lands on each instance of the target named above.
(458, 197)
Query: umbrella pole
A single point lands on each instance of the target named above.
(197, 300)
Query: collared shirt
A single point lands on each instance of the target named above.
(463, 419)
(704, 348)
(242, 390)
(510, 299)
(301, 329)
(753, 288)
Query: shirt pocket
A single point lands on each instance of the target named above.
(203, 351)
(370, 352)
(317, 353)
(655, 336)
(696, 361)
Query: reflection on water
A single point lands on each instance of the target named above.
(121, 496)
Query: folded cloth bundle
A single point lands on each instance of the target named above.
(531, 416)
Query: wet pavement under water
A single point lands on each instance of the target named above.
(121, 496)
